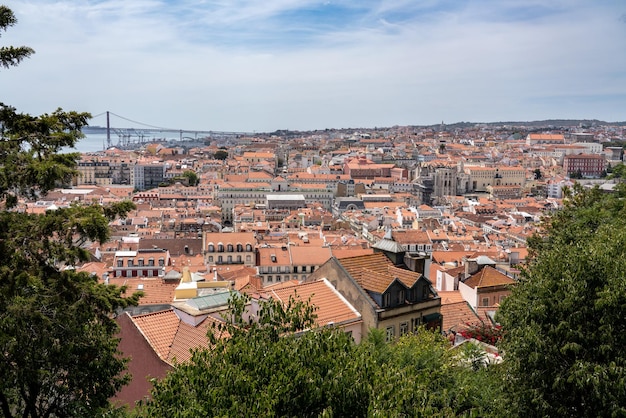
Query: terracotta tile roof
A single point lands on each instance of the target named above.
(450, 296)
(375, 272)
(171, 338)
(373, 280)
(345, 252)
(456, 315)
(159, 329)
(487, 277)
(331, 306)
(273, 257)
(309, 255)
(156, 291)
(375, 262)
(407, 277)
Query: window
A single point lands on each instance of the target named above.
(220, 248)
(401, 298)
(238, 259)
(269, 279)
(211, 248)
(141, 262)
(386, 300)
(485, 302)
(151, 261)
(248, 247)
(278, 278)
(415, 324)
(120, 263)
(229, 248)
(239, 248)
(295, 269)
(390, 333)
(161, 261)
(404, 328)
(210, 259)
(502, 297)
(229, 259)
(220, 259)
(425, 292)
(248, 259)
(130, 263)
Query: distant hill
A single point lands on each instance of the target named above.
(564, 123)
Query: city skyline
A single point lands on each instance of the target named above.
(304, 65)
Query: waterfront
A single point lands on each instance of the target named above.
(94, 142)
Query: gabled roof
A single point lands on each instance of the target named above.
(375, 272)
(331, 306)
(488, 277)
(457, 315)
(170, 337)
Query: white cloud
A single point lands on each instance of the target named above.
(250, 65)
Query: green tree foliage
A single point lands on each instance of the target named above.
(30, 151)
(192, 177)
(564, 322)
(266, 368)
(271, 368)
(58, 351)
(220, 154)
(10, 55)
(420, 375)
(60, 355)
(618, 172)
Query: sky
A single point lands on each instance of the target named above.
(263, 65)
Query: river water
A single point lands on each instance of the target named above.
(93, 142)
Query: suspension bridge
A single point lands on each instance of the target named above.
(144, 133)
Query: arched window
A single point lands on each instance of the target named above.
(211, 248)
(239, 248)
(229, 248)
(220, 248)
(248, 247)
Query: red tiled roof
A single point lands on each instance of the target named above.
(375, 272)
(155, 290)
(331, 307)
(171, 338)
(457, 315)
(487, 277)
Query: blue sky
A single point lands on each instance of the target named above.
(262, 65)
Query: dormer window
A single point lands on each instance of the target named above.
(401, 297)
(386, 300)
